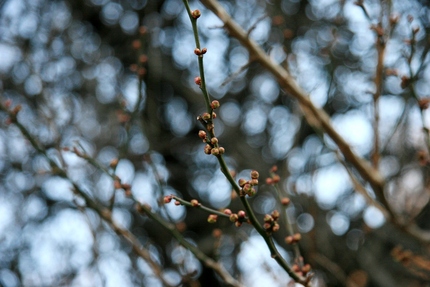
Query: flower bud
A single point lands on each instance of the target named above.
(285, 201)
(208, 149)
(234, 217)
(221, 150)
(196, 14)
(275, 214)
(289, 240)
(254, 174)
(238, 224)
(241, 214)
(276, 178)
(297, 237)
(194, 203)
(214, 140)
(202, 134)
(242, 182)
(206, 116)
(177, 203)
(227, 211)
(268, 218)
(167, 199)
(198, 80)
(197, 51)
(275, 227)
(212, 218)
(215, 151)
(215, 104)
(204, 50)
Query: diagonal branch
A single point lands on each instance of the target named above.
(287, 82)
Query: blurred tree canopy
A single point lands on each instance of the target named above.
(99, 104)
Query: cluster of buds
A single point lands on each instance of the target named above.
(125, 186)
(291, 239)
(12, 112)
(271, 222)
(238, 218)
(199, 52)
(211, 146)
(247, 186)
(305, 269)
(274, 178)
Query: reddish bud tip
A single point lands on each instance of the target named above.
(212, 218)
(167, 199)
(202, 134)
(194, 203)
(241, 214)
(234, 217)
(285, 201)
(242, 182)
(215, 105)
(198, 80)
(196, 14)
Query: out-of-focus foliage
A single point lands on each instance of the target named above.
(71, 65)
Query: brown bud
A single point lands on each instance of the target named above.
(167, 199)
(242, 182)
(254, 174)
(177, 203)
(136, 44)
(204, 51)
(227, 211)
(196, 14)
(234, 217)
(289, 240)
(215, 104)
(275, 227)
(113, 163)
(297, 237)
(221, 150)
(424, 103)
(254, 181)
(117, 184)
(285, 201)
(405, 82)
(214, 140)
(276, 178)
(212, 218)
(143, 58)
(217, 233)
(268, 218)
(215, 151)
(275, 214)
(241, 214)
(198, 80)
(194, 203)
(206, 116)
(202, 134)
(143, 30)
(208, 149)
(269, 180)
(197, 51)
